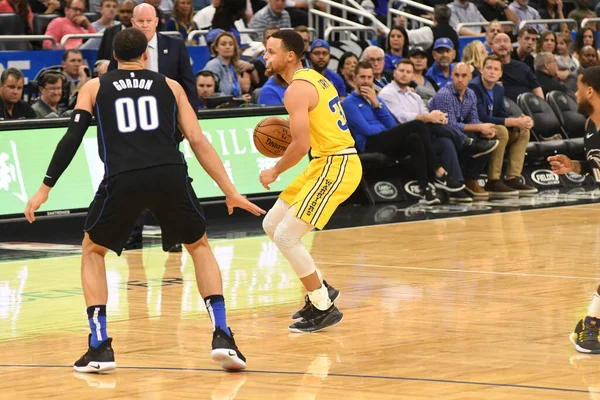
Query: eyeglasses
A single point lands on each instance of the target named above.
(80, 10)
(375, 60)
(52, 89)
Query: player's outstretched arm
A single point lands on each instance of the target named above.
(206, 154)
(67, 147)
(299, 97)
(562, 164)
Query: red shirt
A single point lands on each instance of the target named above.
(62, 26)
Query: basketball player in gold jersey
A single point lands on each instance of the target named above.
(317, 121)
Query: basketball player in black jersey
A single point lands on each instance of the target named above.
(585, 335)
(137, 112)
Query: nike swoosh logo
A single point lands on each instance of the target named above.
(589, 135)
(97, 366)
(232, 353)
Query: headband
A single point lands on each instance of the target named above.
(131, 54)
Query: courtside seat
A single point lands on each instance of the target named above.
(41, 21)
(376, 160)
(11, 24)
(512, 108)
(565, 108)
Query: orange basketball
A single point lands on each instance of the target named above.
(272, 136)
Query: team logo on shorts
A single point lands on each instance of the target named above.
(386, 190)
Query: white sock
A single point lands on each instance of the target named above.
(320, 298)
(594, 308)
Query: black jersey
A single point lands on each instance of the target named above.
(136, 114)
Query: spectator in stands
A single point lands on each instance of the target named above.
(465, 11)
(108, 9)
(546, 70)
(76, 71)
(319, 59)
(346, 65)
(512, 132)
(474, 54)
(73, 22)
(397, 48)
(567, 64)
(21, 8)
(497, 10)
(588, 57)
(553, 9)
(517, 78)
(526, 39)
(181, 20)
(11, 91)
(206, 84)
(305, 34)
(376, 57)
(273, 14)
(50, 85)
(460, 104)
(259, 62)
(125, 14)
(546, 43)
(492, 30)
(425, 87)
(46, 6)
(581, 11)
(584, 37)
(100, 68)
(203, 18)
(228, 16)
(271, 94)
(425, 37)
(375, 131)
(441, 70)
(228, 66)
(525, 12)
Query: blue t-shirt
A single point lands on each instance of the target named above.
(438, 76)
(391, 60)
(338, 82)
(271, 94)
(490, 93)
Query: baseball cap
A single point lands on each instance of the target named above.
(211, 36)
(443, 42)
(318, 44)
(416, 51)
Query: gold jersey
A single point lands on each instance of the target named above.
(329, 132)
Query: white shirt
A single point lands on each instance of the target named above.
(153, 50)
(203, 19)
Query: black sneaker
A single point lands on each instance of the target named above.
(317, 320)
(427, 197)
(333, 296)
(98, 360)
(447, 183)
(479, 147)
(226, 352)
(585, 336)
(460, 197)
(133, 243)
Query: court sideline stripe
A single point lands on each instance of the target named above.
(391, 378)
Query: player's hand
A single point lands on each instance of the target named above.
(35, 202)
(267, 177)
(561, 164)
(237, 200)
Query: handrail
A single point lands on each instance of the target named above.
(334, 18)
(468, 24)
(172, 33)
(251, 32)
(329, 3)
(567, 21)
(79, 36)
(12, 38)
(332, 29)
(192, 34)
(409, 3)
(423, 21)
(378, 23)
(585, 21)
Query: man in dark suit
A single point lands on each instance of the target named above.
(168, 56)
(106, 44)
(509, 131)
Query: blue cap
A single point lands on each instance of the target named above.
(443, 42)
(211, 36)
(319, 43)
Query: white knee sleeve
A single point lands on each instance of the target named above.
(274, 217)
(287, 238)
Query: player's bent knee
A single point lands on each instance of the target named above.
(202, 242)
(88, 246)
(274, 217)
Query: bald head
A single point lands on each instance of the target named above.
(461, 75)
(144, 19)
(502, 46)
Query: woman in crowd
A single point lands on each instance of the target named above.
(546, 43)
(585, 37)
(229, 68)
(181, 19)
(424, 87)
(474, 55)
(397, 48)
(553, 9)
(345, 69)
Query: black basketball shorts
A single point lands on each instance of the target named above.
(165, 190)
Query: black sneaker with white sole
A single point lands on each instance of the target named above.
(447, 183)
(427, 197)
(460, 197)
(480, 147)
(317, 320)
(225, 351)
(99, 359)
(333, 296)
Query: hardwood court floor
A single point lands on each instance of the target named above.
(464, 308)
